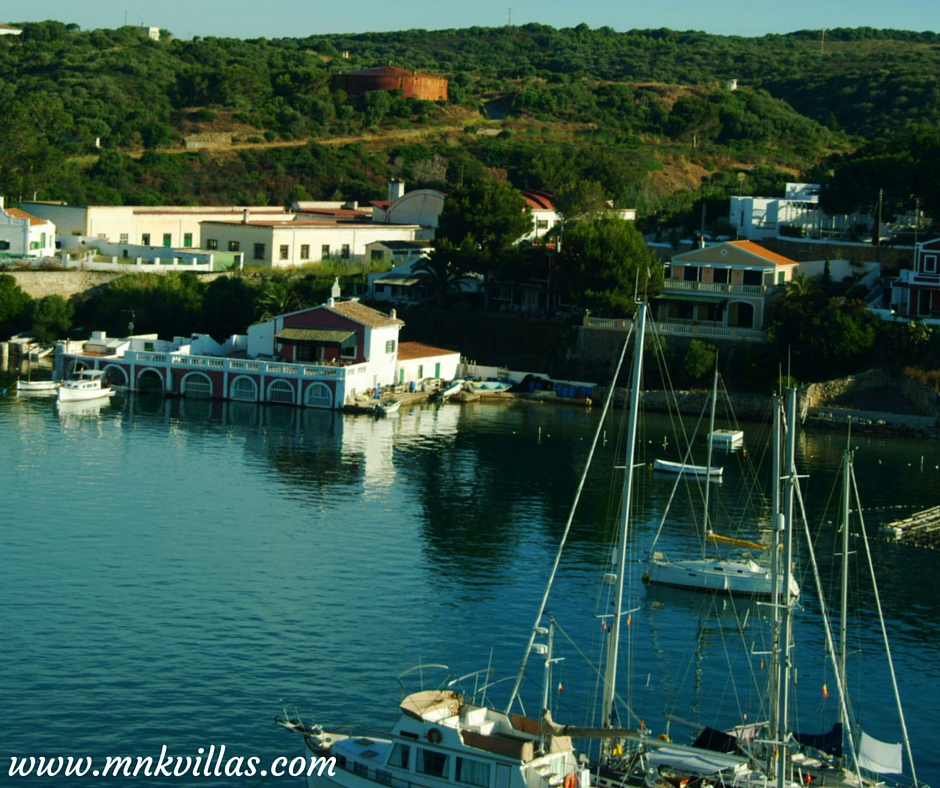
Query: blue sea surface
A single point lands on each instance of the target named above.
(176, 573)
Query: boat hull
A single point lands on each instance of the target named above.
(692, 470)
(66, 394)
(36, 386)
(744, 578)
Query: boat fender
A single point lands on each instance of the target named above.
(434, 736)
(571, 781)
(664, 737)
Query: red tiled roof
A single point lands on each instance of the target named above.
(16, 213)
(538, 199)
(408, 351)
(760, 251)
(365, 314)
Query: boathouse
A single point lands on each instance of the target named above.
(319, 357)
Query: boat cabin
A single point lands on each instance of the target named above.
(440, 740)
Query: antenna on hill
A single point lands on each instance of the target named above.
(822, 43)
(510, 17)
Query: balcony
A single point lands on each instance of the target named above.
(713, 288)
(693, 330)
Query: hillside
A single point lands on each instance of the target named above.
(110, 116)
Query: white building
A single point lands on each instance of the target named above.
(170, 227)
(281, 244)
(796, 214)
(418, 362)
(338, 333)
(9, 30)
(25, 235)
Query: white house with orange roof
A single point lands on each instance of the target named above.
(721, 291)
(417, 362)
(25, 235)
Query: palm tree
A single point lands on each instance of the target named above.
(278, 296)
(443, 271)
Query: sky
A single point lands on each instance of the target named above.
(300, 18)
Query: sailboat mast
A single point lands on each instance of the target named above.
(708, 463)
(844, 606)
(776, 519)
(613, 636)
(783, 602)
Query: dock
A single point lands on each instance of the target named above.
(921, 528)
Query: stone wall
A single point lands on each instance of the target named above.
(38, 284)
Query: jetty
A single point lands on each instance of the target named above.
(921, 528)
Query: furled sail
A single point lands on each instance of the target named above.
(878, 756)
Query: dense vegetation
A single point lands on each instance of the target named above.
(573, 104)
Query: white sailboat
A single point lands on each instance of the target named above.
(742, 576)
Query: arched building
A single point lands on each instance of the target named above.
(411, 83)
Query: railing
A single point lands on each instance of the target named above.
(241, 365)
(680, 329)
(710, 332)
(716, 287)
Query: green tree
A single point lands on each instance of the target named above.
(490, 213)
(278, 296)
(442, 272)
(699, 359)
(608, 264)
(50, 317)
(581, 199)
(14, 306)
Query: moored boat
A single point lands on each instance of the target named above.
(84, 385)
(387, 408)
(36, 386)
(667, 466)
(444, 737)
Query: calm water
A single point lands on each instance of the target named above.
(176, 573)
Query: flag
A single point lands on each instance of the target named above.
(560, 688)
(825, 691)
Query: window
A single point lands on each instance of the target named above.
(4, 244)
(34, 244)
(721, 276)
(233, 246)
(167, 239)
(420, 371)
(212, 244)
(123, 238)
(376, 254)
(348, 352)
(305, 251)
(325, 252)
(541, 224)
(259, 251)
(692, 273)
(145, 239)
(753, 278)
(473, 772)
(399, 757)
(924, 302)
(187, 240)
(930, 264)
(283, 252)
(781, 277)
(345, 252)
(431, 762)
(390, 346)
(303, 353)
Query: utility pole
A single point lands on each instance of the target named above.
(880, 197)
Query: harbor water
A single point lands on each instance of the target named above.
(175, 573)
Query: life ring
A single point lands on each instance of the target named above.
(572, 781)
(435, 736)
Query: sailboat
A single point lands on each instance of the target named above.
(30, 386)
(742, 576)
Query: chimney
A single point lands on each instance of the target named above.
(701, 242)
(245, 216)
(393, 315)
(335, 291)
(396, 189)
